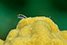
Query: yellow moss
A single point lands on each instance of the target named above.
(1, 42)
(41, 32)
(63, 35)
(29, 21)
(54, 27)
(7, 43)
(12, 34)
(57, 42)
(36, 31)
(21, 41)
(65, 43)
(26, 31)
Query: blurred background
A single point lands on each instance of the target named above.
(9, 9)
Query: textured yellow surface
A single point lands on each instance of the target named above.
(30, 21)
(1, 42)
(13, 33)
(36, 31)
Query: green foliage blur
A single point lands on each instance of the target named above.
(9, 9)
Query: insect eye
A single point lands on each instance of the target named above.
(21, 16)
